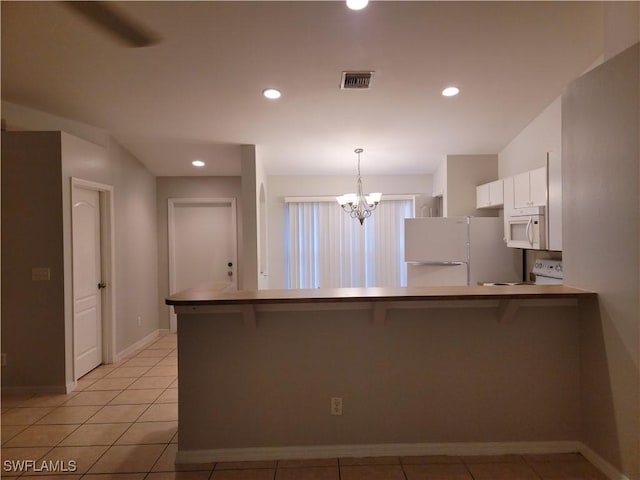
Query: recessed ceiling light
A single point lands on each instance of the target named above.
(357, 4)
(197, 163)
(450, 91)
(271, 93)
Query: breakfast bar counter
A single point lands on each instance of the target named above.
(214, 295)
(506, 298)
(458, 370)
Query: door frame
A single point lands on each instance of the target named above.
(172, 204)
(107, 256)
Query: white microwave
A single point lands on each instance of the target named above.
(525, 228)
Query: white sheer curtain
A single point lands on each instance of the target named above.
(328, 249)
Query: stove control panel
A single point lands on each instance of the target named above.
(545, 267)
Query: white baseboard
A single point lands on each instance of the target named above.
(164, 331)
(39, 389)
(601, 464)
(400, 449)
(143, 342)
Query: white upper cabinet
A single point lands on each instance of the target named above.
(490, 195)
(483, 199)
(530, 188)
(521, 190)
(538, 186)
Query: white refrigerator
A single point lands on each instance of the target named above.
(450, 251)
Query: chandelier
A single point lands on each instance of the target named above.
(358, 205)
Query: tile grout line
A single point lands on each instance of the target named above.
(50, 449)
(131, 424)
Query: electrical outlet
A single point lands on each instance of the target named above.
(40, 274)
(3, 359)
(139, 320)
(336, 405)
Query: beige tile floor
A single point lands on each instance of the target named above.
(121, 423)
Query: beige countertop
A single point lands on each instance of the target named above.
(213, 295)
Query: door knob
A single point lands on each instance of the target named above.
(102, 285)
(229, 264)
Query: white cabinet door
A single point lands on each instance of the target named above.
(482, 196)
(496, 193)
(521, 190)
(538, 186)
(530, 188)
(490, 195)
(508, 195)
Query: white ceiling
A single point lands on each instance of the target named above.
(197, 93)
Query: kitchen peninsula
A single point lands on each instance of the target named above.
(416, 370)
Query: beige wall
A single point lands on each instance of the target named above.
(463, 174)
(19, 117)
(45, 240)
(621, 26)
(91, 154)
(135, 207)
(440, 179)
(427, 376)
(33, 323)
(601, 233)
(136, 247)
(186, 187)
(528, 150)
(281, 186)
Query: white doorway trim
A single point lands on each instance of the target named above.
(107, 245)
(172, 203)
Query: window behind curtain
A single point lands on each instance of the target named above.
(328, 249)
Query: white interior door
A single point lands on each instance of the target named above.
(87, 277)
(202, 244)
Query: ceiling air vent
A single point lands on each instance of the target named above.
(355, 80)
